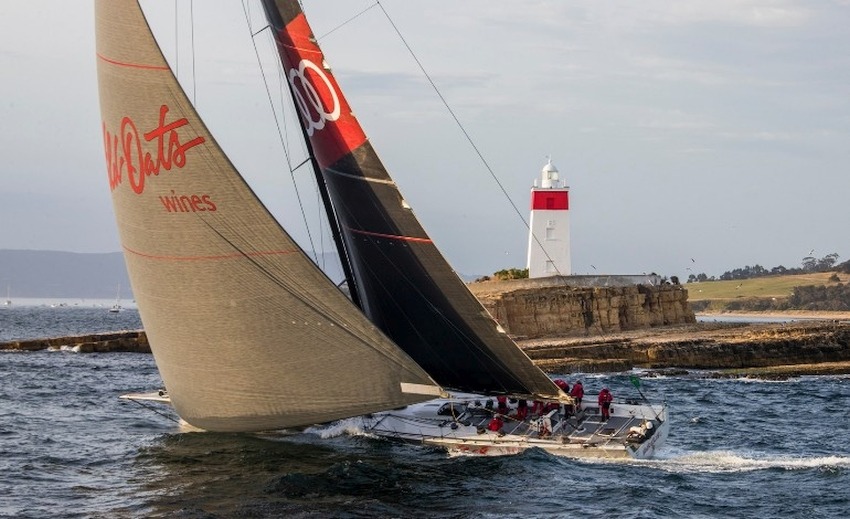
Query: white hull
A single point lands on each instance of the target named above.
(581, 436)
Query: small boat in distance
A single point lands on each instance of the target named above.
(114, 309)
(8, 301)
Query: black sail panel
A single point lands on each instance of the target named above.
(411, 292)
(406, 286)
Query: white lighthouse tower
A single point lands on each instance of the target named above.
(549, 238)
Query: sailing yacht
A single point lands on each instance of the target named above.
(116, 308)
(288, 348)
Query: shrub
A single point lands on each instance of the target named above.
(506, 274)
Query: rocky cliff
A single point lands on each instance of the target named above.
(811, 346)
(534, 308)
(126, 341)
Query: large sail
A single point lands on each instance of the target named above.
(247, 333)
(405, 285)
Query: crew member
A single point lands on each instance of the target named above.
(563, 385)
(641, 432)
(605, 399)
(537, 408)
(521, 410)
(577, 393)
(502, 405)
(496, 423)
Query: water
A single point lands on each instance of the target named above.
(751, 319)
(42, 318)
(70, 448)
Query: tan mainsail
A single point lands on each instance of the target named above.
(247, 333)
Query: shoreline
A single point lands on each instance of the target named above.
(742, 348)
(803, 344)
(775, 315)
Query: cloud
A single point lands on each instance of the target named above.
(751, 13)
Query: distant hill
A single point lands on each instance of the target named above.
(54, 274)
(49, 274)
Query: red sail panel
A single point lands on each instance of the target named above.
(333, 131)
(550, 200)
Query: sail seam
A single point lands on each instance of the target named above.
(314, 305)
(361, 177)
(208, 258)
(391, 236)
(300, 49)
(131, 65)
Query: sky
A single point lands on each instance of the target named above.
(695, 136)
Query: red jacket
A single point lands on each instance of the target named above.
(605, 396)
(496, 424)
(578, 391)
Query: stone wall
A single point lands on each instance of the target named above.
(127, 341)
(546, 311)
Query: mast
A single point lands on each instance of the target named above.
(406, 286)
(273, 17)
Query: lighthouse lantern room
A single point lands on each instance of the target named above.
(549, 234)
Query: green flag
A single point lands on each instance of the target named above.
(635, 381)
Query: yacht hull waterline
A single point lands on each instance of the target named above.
(581, 435)
(459, 425)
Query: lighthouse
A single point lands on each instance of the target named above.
(549, 234)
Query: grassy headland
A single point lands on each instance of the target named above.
(763, 294)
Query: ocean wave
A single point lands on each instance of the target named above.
(349, 426)
(730, 461)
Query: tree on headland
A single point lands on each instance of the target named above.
(514, 273)
(698, 278)
(809, 264)
(826, 263)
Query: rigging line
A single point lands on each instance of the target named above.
(324, 311)
(280, 133)
(192, 43)
(340, 26)
(176, 40)
(283, 93)
(321, 228)
(452, 113)
(303, 162)
(154, 410)
(465, 133)
(273, 16)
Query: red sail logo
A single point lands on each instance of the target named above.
(309, 99)
(127, 158)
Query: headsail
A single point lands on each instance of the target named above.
(405, 284)
(247, 333)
